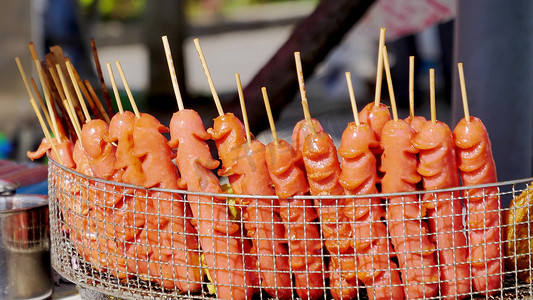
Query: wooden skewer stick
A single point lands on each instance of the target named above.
(73, 118)
(115, 88)
(172, 71)
(308, 118)
(463, 90)
(269, 114)
(86, 94)
(303, 94)
(107, 98)
(78, 91)
(379, 71)
(389, 84)
(432, 95)
(46, 92)
(68, 103)
(96, 100)
(29, 90)
(128, 90)
(57, 82)
(45, 130)
(208, 76)
(34, 54)
(352, 97)
(24, 78)
(41, 102)
(300, 74)
(412, 86)
(243, 108)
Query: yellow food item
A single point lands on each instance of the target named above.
(519, 235)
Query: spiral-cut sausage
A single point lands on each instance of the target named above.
(262, 223)
(323, 170)
(229, 134)
(409, 236)
(438, 167)
(121, 131)
(476, 166)
(359, 177)
(65, 149)
(376, 116)
(179, 265)
(218, 235)
(416, 122)
(289, 180)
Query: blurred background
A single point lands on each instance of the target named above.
(257, 38)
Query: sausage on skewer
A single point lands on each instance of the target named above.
(261, 221)
(217, 233)
(408, 231)
(358, 177)
(323, 169)
(438, 167)
(476, 166)
(289, 180)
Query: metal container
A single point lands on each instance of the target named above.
(25, 269)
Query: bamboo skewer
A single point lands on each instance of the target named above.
(379, 71)
(208, 76)
(303, 94)
(128, 90)
(115, 88)
(107, 97)
(57, 83)
(46, 92)
(41, 102)
(463, 91)
(269, 114)
(308, 118)
(352, 97)
(33, 51)
(96, 100)
(389, 84)
(73, 118)
(78, 92)
(172, 71)
(29, 90)
(243, 108)
(432, 95)
(412, 86)
(45, 130)
(86, 94)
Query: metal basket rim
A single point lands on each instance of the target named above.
(229, 195)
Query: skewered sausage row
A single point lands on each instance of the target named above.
(160, 235)
(358, 217)
(359, 177)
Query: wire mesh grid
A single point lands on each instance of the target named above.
(132, 243)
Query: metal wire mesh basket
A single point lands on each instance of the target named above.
(131, 243)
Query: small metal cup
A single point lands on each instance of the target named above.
(25, 268)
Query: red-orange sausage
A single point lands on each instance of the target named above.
(438, 167)
(359, 177)
(289, 180)
(323, 169)
(408, 232)
(65, 149)
(229, 134)
(300, 131)
(261, 221)
(416, 122)
(121, 131)
(179, 265)
(376, 116)
(476, 166)
(219, 236)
